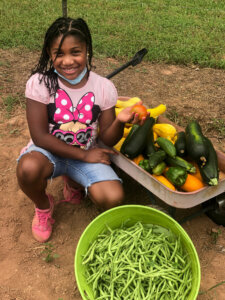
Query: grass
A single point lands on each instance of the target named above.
(213, 287)
(173, 31)
(174, 117)
(9, 103)
(48, 253)
(219, 125)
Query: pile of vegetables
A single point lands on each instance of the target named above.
(185, 161)
(143, 261)
(154, 112)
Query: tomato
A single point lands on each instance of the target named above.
(141, 110)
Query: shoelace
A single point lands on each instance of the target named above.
(43, 218)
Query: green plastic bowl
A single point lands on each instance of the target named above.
(114, 218)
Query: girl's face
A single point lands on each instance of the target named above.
(72, 57)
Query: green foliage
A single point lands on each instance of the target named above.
(174, 116)
(219, 125)
(9, 102)
(48, 253)
(173, 31)
(215, 235)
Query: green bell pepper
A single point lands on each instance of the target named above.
(176, 175)
(144, 164)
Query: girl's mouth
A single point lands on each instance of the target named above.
(69, 71)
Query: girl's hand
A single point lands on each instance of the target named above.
(128, 116)
(98, 155)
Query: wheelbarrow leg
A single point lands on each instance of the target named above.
(197, 213)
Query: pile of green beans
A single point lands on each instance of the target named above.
(143, 261)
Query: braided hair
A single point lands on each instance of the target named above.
(61, 27)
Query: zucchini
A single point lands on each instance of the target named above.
(179, 161)
(196, 145)
(156, 158)
(136, 143)
(167, 146)
(150, 147)
(132, 131)
(210, 171)
(180, 144)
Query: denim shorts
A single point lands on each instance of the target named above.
(82, 172)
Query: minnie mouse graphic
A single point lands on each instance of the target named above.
(74, 125)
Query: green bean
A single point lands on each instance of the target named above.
(89, 255)
(142, 261)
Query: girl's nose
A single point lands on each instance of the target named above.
(67, 60)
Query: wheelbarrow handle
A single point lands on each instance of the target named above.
(134, 61)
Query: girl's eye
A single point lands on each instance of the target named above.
(75, 52)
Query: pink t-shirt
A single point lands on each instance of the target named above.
(73, 113)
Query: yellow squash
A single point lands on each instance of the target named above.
(126, 131)
(118, 110)
(156, 111)
(138, 158)
(119, 144)
(164, 181)
(165, 130)
(127, 103)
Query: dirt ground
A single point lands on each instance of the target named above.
(188, 91)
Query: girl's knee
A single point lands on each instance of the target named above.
(111, 201)
(27, 169)
(30, 169)
(108, 197)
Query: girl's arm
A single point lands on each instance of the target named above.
(112, 127)
(37, 118)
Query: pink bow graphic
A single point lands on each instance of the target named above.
(65, 112)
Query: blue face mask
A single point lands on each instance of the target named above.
(76, 80)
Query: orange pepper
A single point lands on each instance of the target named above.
(164, 181)
(197, 173)
(138, 158)
(192, 184)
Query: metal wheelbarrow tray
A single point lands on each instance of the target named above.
(175, 199)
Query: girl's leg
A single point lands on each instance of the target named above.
(33, 170)
(103, 184)
(106, 194)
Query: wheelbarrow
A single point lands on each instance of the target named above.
(211, 198)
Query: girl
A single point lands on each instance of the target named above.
(68, 105)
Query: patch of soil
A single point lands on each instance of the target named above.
(189, 92)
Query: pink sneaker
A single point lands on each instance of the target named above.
(70, 194)
(42, 222)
